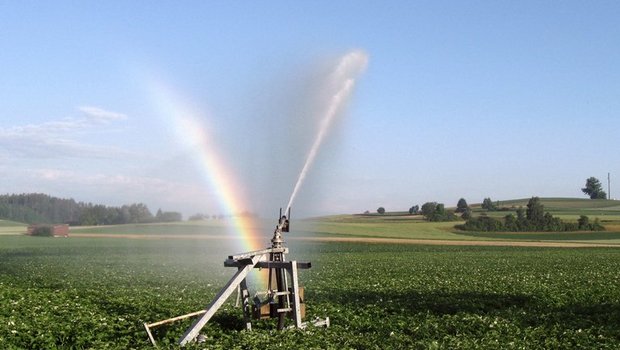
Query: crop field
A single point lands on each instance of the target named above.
(84, 292)
(11, 228)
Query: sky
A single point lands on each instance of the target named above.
(170, 102)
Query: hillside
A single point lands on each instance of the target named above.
(556, 206)
(400, 225)
(575, 206)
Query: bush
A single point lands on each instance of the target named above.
(531, 220)
(488, 204)
(436, 212)
(482, 223)
(466, 214)
(43, 231)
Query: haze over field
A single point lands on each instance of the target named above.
(473, 100)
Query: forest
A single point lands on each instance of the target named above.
(39, 208)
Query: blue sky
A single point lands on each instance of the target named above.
(500, 99)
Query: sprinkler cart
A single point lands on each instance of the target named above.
(283, 298)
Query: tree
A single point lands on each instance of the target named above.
(583, 222)
(594, 189)
(488, 204)
(381, 210)
(520, 213)
(428, 209)
(434, 211)
(440, 209)
(461, 206)
(414, 210)
(535, 211)
(510, 223)
(198, 216)
(139, 213)
(168, 216)
(466, 214)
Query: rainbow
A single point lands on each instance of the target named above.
(189, 127)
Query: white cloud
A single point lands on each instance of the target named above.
(33, 147)
(100, 114)
(60, 138)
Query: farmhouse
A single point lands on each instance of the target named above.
(58, 230)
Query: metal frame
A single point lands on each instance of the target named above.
(244, 263)
(278, 267)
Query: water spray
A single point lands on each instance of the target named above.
(284, 296)
(341, 84)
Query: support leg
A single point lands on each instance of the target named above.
(238, 298)
(247, 308)
(219, 300)
(296, 299)
(281, 298)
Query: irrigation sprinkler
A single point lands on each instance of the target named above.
(284, 298)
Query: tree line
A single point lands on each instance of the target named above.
(433, 211)
(38, 208)
(532, 219)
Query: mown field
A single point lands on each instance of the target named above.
(96, 292)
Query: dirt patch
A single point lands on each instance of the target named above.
(377, 240)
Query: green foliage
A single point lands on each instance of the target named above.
(428, 209)
(535, 211)
(533, 219)
(594, 189)
(19, 213)
(168, 216)
(414, 210)
(38, 207)
(488, 204)
(436, 212)
(584, 224)
(381, 210)
(198, 216)
(43, 231)
(461, 206)
(467, 214)
(73, 294)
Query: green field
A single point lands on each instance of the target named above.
(96, 292)
(401, 225)
(11, 227)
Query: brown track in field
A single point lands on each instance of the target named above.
(377, 240)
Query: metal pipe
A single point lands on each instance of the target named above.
(170, 320)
